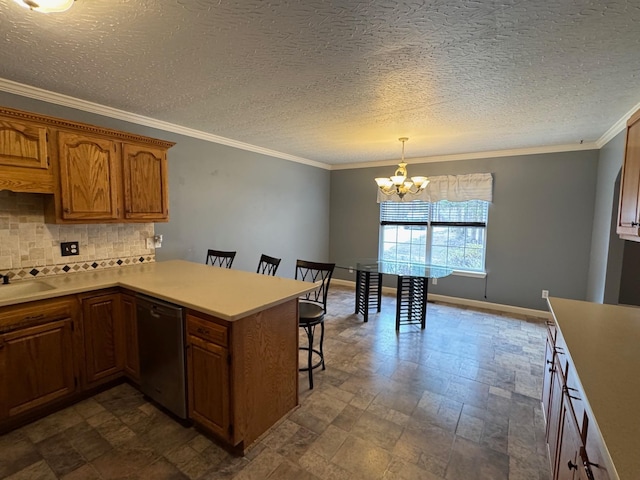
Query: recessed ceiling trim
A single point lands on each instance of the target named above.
(473, 156)
(84, 105)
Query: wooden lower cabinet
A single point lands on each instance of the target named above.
(242, 375)
(208, 385)
(575, 449)
(130, 329)
(37, 358)
(103, 337)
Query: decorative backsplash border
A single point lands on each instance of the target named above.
(70, 267)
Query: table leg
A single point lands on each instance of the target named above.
(365, 281)
(411, 301)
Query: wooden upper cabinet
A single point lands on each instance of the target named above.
(628, 213)
(88, 177)
(145, 183)
(24, 157)
(96, 175)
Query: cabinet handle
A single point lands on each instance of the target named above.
(66, 210)
(33, 317)
(203, 331)
(572, 466)
(549, 362)
(567, 389)
(635, 224)
(588, 471)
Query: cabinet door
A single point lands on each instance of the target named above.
(89, 178)
(546, 380)
(628, 217)
(130, 328)
(24, 157)
(36, 366)
(23, 145)
(569, 466)
(103, 345)
(555, 410)
(208, 379)
(145, 183)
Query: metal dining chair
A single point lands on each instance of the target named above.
(220, 258)
(268, 265)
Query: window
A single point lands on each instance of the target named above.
(444, 233)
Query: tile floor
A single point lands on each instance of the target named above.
(459, 401)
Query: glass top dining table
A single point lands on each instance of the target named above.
(400, 268)
(411, 292)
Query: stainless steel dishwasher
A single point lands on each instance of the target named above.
(162, 353)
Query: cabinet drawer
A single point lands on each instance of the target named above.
(34, 313)
(207, 330)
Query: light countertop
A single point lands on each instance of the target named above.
(224, 293)
(603, 342)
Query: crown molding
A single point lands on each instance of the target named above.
(86, 106)
(23, 90)
(474, 156)
(617, 127)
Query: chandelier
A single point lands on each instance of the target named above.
(398, 184)
(46, 6)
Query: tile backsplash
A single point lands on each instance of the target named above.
(31, 248)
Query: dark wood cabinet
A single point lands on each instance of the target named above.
(103, 337)
(130, 329)
(575, 448)
(628, 211)
(37, 355)
(208, 376)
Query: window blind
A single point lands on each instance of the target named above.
(472, 213)
(407, 213)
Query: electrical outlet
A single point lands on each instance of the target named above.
(545, 293)
(434, 281)
(69, 248)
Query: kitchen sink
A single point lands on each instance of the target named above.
(23, 289)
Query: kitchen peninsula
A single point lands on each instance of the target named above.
(64, 337)
(591, 390)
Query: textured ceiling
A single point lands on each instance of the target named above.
(339, 81)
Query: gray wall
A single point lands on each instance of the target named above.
(225, 198)
(606, 247)
(539, 228)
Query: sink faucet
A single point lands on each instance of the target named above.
(5, 279)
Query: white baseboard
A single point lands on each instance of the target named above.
(530, 312)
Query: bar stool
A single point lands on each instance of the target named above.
(312, 308)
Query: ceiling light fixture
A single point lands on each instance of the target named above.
(46, 6)
(398, 183)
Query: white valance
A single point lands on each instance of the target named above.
(454, 188)
(460, 188)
